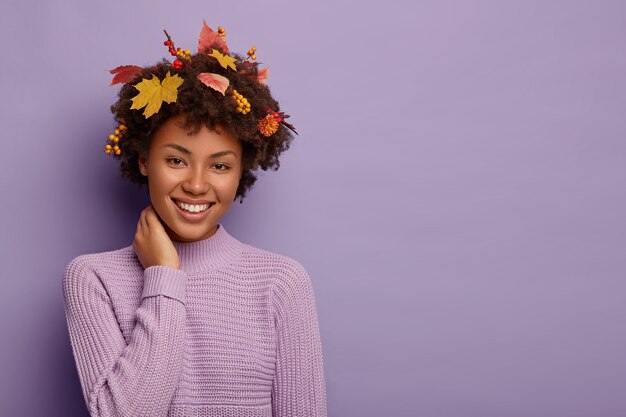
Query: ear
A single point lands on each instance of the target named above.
(143, 165)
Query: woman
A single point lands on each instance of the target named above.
(188, 320)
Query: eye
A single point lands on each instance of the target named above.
(221, 167)
(175, 161)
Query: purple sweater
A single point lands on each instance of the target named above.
(233, 332)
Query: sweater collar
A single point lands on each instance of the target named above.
(210, 253)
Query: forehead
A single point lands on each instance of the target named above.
(201, 142)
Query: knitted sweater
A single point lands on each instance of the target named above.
(233, 332)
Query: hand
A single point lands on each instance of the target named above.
(152, 244)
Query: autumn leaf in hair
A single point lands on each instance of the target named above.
(215, 81)
(210, 39)
(261, 74)
(289, 126)
(226, 61)
(124, 73)
(153, 92)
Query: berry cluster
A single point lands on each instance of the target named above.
(114, 139)
(183, 53)
(180, 53)
(251, 53)
(221, 31)
(243, 106)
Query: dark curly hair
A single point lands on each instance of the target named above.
(202, 105)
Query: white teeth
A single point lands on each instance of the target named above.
(192, 208)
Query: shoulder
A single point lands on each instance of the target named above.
(291, 285)
(79, 269)
(284, 269)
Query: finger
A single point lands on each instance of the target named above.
(142, 220)
(150, 215)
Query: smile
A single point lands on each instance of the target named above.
(193, 208)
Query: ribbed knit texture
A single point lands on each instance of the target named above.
(232, 333)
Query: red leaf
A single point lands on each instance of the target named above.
(210, 39)
(245, 66)
(215, 81)
(262, 75)
(124, 73)
(283, 116)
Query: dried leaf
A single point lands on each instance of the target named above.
(209, 39)
(246, 65)
(226, 61)
(124, 73)
(215, 81)
(284, 116)
(153, 92)
(262, 75)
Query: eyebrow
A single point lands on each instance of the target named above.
(188, 152)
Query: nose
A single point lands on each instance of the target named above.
(196, 182)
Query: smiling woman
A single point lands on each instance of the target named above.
(188, 320)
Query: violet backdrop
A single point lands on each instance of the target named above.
(457, 192)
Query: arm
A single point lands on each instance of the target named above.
(298, 388)
(120, 379)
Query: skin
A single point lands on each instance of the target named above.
(194, 174)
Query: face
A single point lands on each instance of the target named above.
(192, 179)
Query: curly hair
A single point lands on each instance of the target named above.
(202, 105)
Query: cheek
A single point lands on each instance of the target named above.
(230, 184)
(162, 181)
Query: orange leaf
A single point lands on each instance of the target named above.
(215, 81)
(262, 75)
(124, 73)
(209, 39)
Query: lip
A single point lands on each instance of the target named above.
(193, 217)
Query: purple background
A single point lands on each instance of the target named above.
(457, 192)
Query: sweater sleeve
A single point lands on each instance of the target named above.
(121, 379)
(298, 388)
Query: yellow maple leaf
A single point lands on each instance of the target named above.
(226, 61)
(153, 92)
